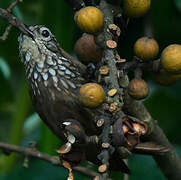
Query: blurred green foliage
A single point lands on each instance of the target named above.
(18, 122)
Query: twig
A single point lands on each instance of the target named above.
(54, 160)
(153, 66)
(14, 21)
(148, 27)
(8, 28)
(13, 4)
(6, 33)
(105, 152)
(109, 54)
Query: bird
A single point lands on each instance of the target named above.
(54, 78)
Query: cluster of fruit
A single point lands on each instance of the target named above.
(91, 21)
(146, 49)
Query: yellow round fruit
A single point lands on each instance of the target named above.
(146, 48)
(91, 95)
(90, 19)
(86, 49)
(138, 89)
(165, 78)
(136, 8)
(171, 58)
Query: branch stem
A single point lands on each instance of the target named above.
(169, 162)
(54, 160)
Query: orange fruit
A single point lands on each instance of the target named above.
(136, 8)
(90, 19)
(146, 48)
(86, 49)
(138, 89)
(91, 95)
(171, 58)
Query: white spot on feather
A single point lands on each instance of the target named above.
(64, 59)
(52, 71)
(62, 67)
(66, 123)
(71, 84)
(35, 75)
(27, 56)
(45, 76)
(40, 65)
(68, 72)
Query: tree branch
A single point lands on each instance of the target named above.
(6, 33)
(109, 83)
(8, 28)
(14, 21)
(169, 162)
(54, 160)
(13, 4)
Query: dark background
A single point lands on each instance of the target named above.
(18, 122)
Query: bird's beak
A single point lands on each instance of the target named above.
(28, 31)
(14, 21)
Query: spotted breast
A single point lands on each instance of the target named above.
(54, 80)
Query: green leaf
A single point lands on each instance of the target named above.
(4, 68)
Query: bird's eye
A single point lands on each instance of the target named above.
(45, 33)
